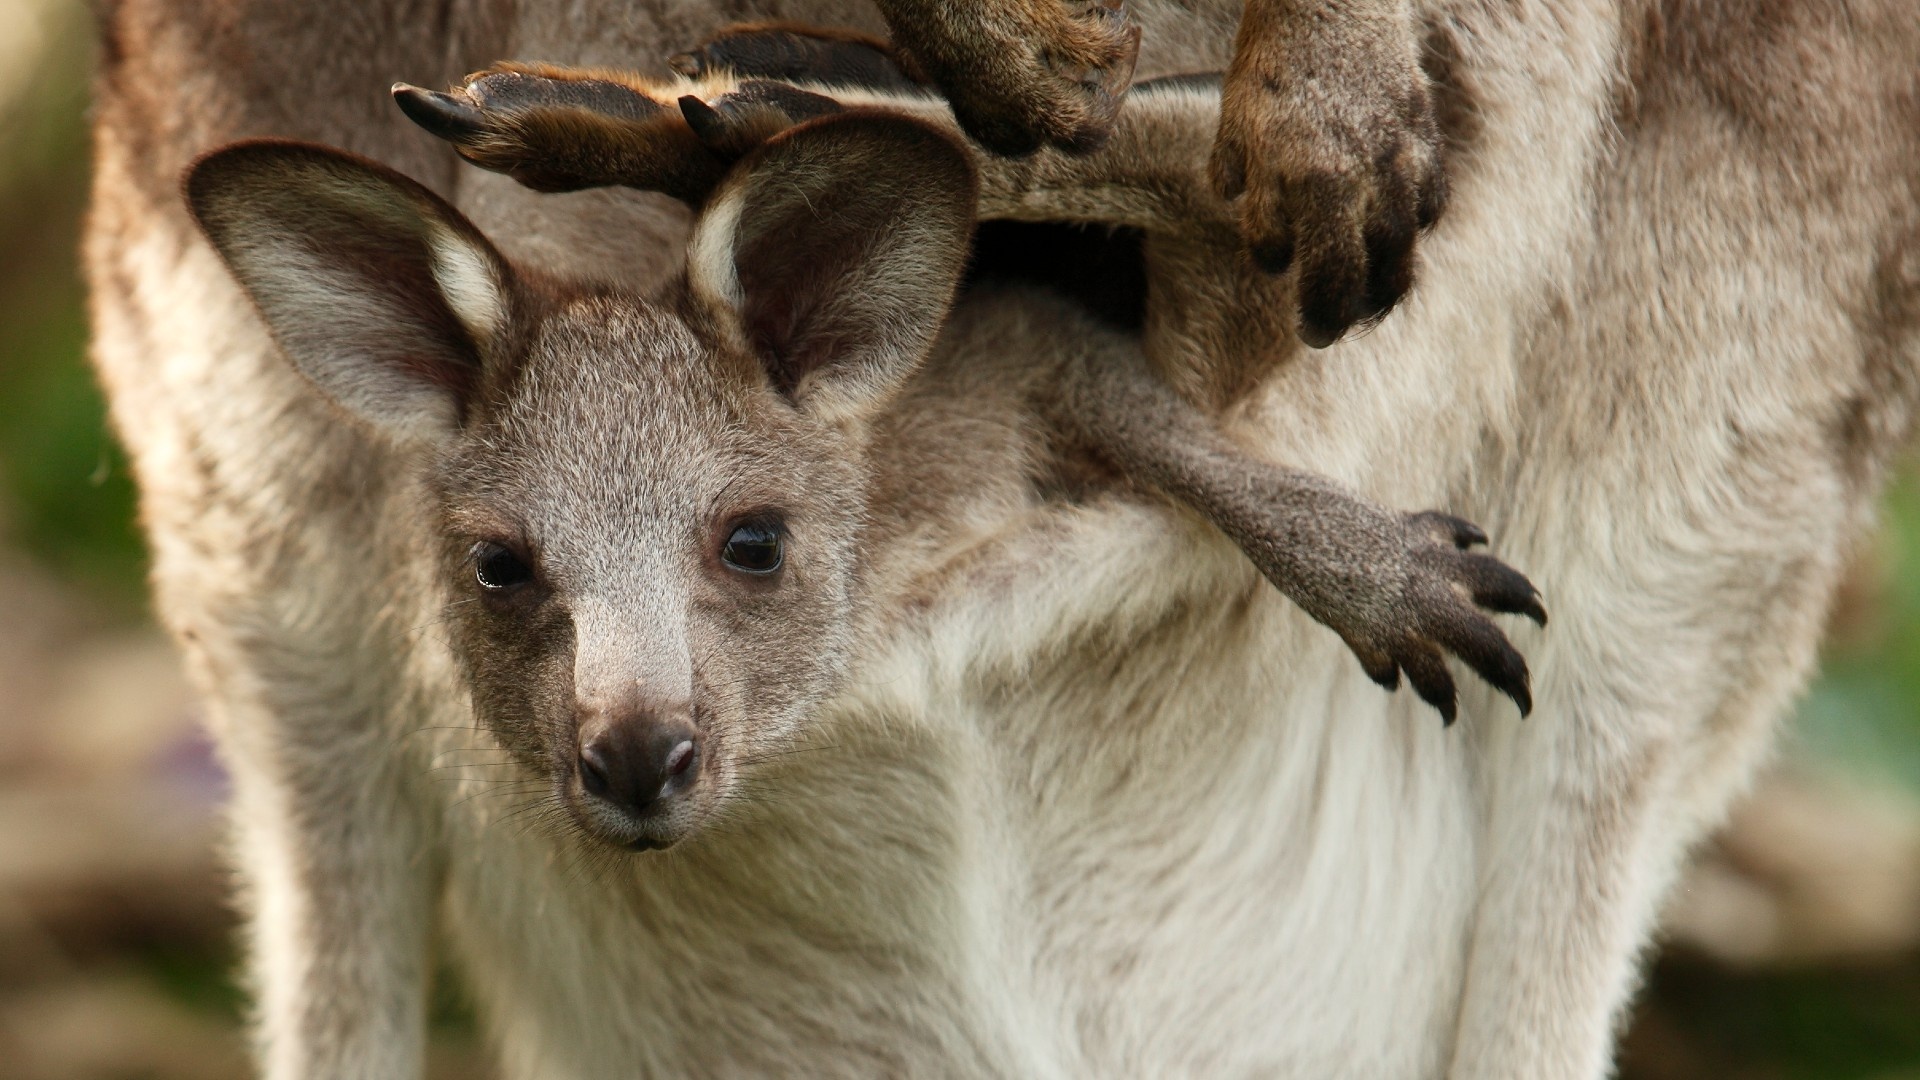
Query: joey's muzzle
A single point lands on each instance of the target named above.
(633, 774)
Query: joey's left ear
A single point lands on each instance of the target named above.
(378, 290)
(834, 251)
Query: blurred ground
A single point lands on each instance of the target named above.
(1794, 944)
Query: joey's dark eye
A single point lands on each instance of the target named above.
(754, 547)
(497, 569)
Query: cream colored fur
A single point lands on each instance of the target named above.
(1098, 802)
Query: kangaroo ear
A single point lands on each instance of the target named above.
(379, 292)
(833, 252)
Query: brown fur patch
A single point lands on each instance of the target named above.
(1456, 106)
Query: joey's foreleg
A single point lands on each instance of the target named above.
(1401, 590)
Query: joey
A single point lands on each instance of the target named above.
(650, 507)
(1402, 591)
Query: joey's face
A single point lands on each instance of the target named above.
(651, 511)
(652, 554)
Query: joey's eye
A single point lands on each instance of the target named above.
(754, 547)
(497, 569)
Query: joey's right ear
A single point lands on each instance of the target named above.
(382, 294)
(832, 253)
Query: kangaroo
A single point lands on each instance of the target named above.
(1089, 799)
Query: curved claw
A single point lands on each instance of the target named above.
(733, 124)
(1447, 610)
(704, 119)
(1427, 671)
(442, 115)
(1466, 534)
(1498, 587)
(1377, 663)
(1457, 531)
(1487, 651)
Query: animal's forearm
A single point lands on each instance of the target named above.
(564, 129)
(1399, 589)
(339, 908)
(1304, 527)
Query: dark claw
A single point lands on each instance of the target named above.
(443, 115)
(1460, 532)
(736, 123)
(1388, 237)
(1499, 587)
(1378, 665)
(1328, 285)
(1428, 673)
(724, 130)
(1317, 335)
(1533, 609)
(1389, 274)
(1487, 651)
(704, 119)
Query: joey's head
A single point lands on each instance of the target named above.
(650, 508)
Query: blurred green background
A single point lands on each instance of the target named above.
(1793, 944)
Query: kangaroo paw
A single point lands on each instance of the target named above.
(1441, 590)
(1402, 590)
(1021, 74)
(1328, 141)
(554, 129)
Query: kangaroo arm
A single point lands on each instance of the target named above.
(1401, 590)
(564, 129)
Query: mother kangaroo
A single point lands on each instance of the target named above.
(1098, 803)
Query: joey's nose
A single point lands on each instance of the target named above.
(638, 765)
